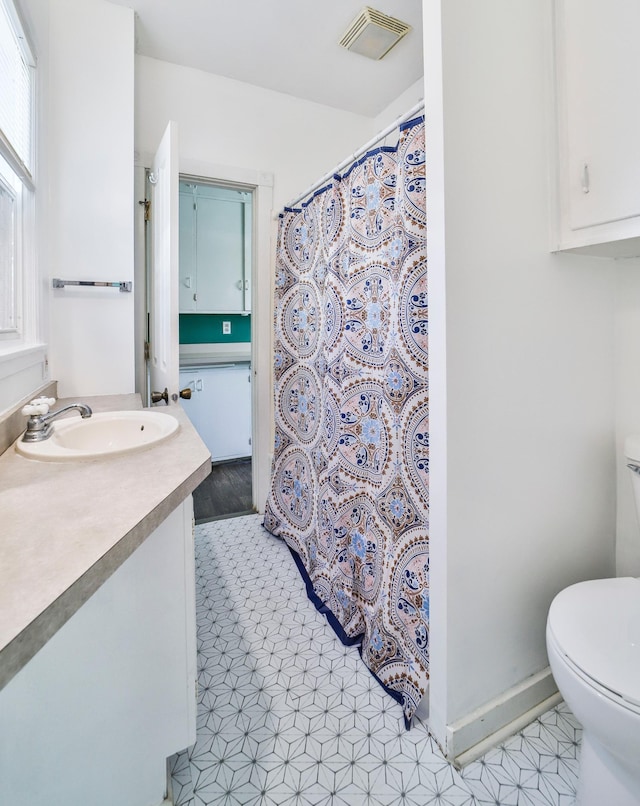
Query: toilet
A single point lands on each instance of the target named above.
(593, 642)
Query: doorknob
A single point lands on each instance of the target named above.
(156, 397)
(185, 393)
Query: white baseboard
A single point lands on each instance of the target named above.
(470, 737)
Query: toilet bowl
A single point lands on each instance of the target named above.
(593, 642)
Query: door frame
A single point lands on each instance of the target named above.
(262, 273)
(140, 282)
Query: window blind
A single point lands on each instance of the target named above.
(16, 107)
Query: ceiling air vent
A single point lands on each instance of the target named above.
(373, 33)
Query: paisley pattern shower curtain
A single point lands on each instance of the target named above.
(350, 477)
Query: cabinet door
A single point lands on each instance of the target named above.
(220, 255)
(600, 64)
(228, 391)
(187, 270)
(220, 408)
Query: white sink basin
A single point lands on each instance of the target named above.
(104, 434)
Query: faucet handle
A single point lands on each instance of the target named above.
(39, 405)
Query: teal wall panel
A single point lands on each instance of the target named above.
(206, 328)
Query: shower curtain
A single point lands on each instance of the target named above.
(350, 476)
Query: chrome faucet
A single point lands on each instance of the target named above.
(39, 425)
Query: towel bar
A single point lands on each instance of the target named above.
(125, 286)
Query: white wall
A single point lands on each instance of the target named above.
(521, 352)
(84, 199)
(230, 123)
(87, 78)
(405, 101)
(627, 366)
(20, 376)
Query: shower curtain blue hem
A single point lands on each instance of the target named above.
(322, 608)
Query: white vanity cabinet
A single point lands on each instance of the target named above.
(92, 718)
(597, 83)
(220, 407)
(215, 249)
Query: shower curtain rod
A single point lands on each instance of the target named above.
(357, 154)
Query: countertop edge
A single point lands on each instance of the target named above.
(24, 646)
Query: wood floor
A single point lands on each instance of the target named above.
(225, 493)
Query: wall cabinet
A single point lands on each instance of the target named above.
(220, 408)
(597, 69)
(215, 249)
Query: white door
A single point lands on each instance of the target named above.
(163, 298)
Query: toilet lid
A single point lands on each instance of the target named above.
(597, 626)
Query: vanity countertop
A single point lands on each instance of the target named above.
(67, 526)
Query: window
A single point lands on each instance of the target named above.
(8, 247)
(16, 167)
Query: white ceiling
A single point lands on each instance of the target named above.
(286, 45)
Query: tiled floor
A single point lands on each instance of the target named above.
(288, 715)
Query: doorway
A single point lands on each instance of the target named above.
(262, 280)
(215, 282)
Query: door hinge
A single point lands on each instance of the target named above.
(147, 209)
(147, 351)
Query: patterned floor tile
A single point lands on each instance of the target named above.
(287, 715)
(538, 766)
